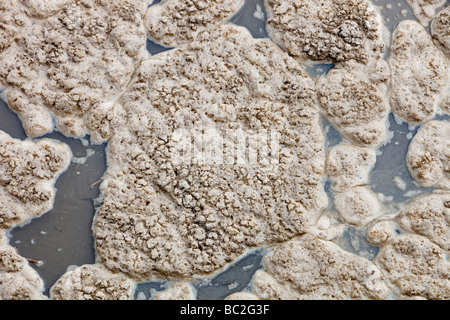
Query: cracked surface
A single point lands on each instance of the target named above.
(174, 22)
(242, 296)
(429, 216)
(28, 171)
(425, 10)
(416, 266)
(428, 156)
(331, 30)
(352, 98)
(171, 213)
(14, 17)
(358, 205)
(18, 280)
(72, 65)
(309, 268)
(349, 166)
(445, 104)
(381, 231)
(419, 73)
(43, 9)
(440, 30)
(92, 282)
(182, 218)
(17, 15)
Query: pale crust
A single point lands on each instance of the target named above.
(428, 216)
(166, 214)
(310, 268)
(358, 205)
(18, 280)
(348, 166)
(28, 170)
(381, 231)
(14, 18)
(193, 216)
(444, 104)
(428, 156)
(92, 282)
(242, 296)
(425, 10)
(73, 65)
(44, 9)
(352, 98)
(440, 30)
(416, 266)
(419, 73)
(331, 30)
(174, 22)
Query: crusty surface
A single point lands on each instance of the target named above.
(444, 104)
(28, 171)
(330, 30)
(179, 290)
(92, 282)
(416, 266)
(352, 98)
(72, 65)
(381, 231)
(419, 73)
(428, 156)
(266, 287)
(309, 268)
(348, 166)
(18, 280)
(44, 9)
(358, 205)
(425, 10)
(440, 30)
(429, 216)
(17, 15)
(14, 17)
(242, 296)
(177, 216)
(174, 22)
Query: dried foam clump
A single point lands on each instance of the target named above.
(44, 9)
(445, 103)
(348, 166)
(18, 280)
(425, 10)
(310, 268)
(419, 73)
(177, 204)
(179, 290)
(440, 30)
(266, 287)
(242, 296)
(28, 170)
(428, 156)
(352, 98)
(358, 205)
(174, 22)
(92, 282)
(17, 15)
(381, 231)
(73, 65)
(14, 17)
(329, 30)
(416, 266)
(429, 216)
